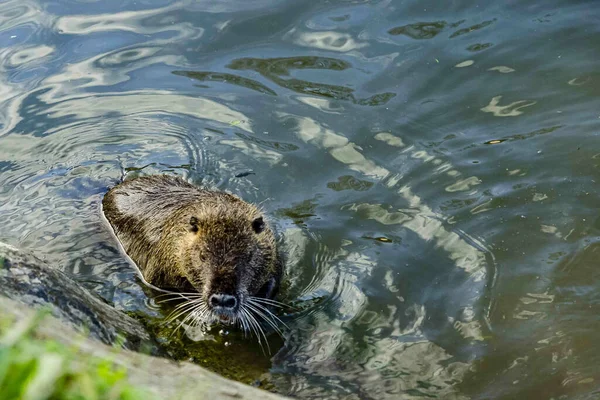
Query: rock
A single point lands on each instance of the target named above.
(29, 280)
(166, 379)
(28, 283)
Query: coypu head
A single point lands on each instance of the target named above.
(229, 258)
(206, 247)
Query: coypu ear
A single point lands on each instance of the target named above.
(194, 224)
(258, 225)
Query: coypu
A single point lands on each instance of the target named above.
(213, 249)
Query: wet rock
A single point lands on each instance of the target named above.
(165, 378)
(31, 281)
(81, 319)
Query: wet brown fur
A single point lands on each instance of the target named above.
(218, 252)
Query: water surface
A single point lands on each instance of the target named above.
(432, 168)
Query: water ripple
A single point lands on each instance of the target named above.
(430, 168)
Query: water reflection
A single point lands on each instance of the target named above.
(407, 324)
(274, 69)
(513, 109)
(328, 40)
(227, 78)
(149, 22)
(421, 30)
(428, 254)
(429, 30)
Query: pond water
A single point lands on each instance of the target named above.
(432, 168)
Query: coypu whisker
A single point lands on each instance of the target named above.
(184, 306)
(271, 314)
(168, 294)
(187, 307)
(270, 302)
(244, 324)
(181, 323)
(269, 322)
(178, 294)
(246, 321)
(179, 298)
(252, 325)
(188, 301)
(262, 331)
(180, 313)
(267, 319)
(257, 329)
(199, 311)
(188, 293)
(200, 317)
(174, 296)
(167, 300)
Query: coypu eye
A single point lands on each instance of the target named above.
(258, 225)
(194, 224)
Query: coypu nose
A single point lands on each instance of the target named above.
(223, 300)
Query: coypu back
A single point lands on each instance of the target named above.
(186, 238)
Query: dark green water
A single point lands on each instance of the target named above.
(432, 166)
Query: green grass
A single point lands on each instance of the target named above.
(37, 369)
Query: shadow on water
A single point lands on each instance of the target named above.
(278, 71)
(429, 30)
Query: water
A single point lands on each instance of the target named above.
(432, 167)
